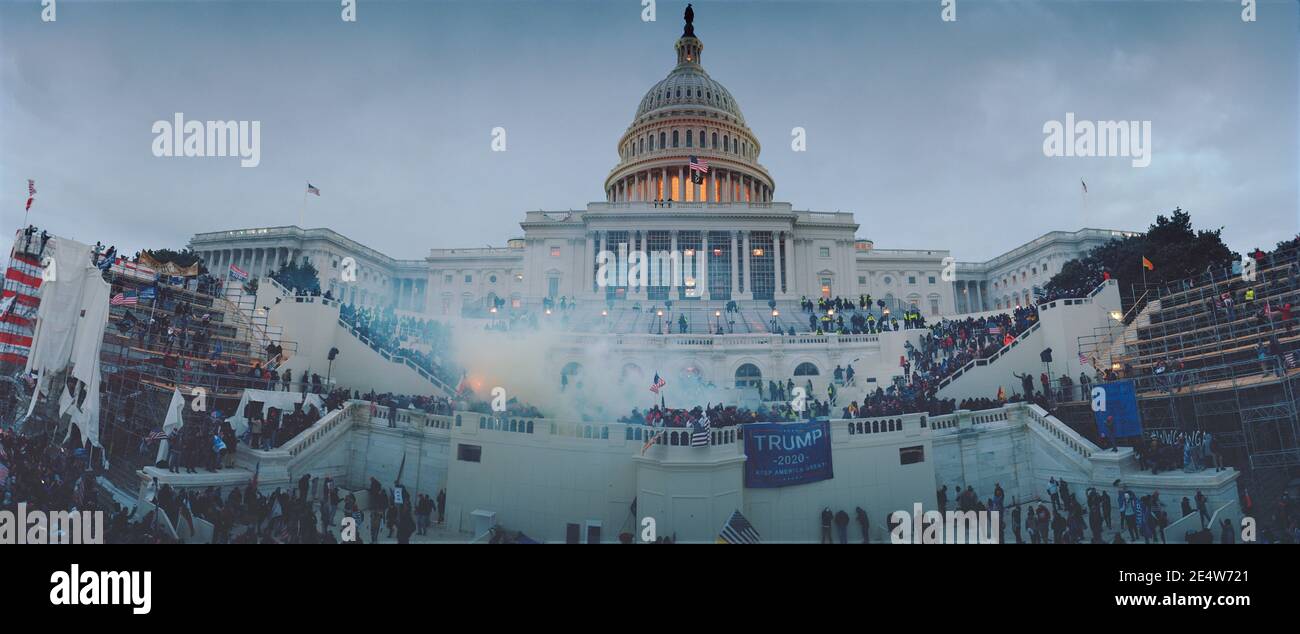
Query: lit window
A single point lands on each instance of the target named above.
(555, 252)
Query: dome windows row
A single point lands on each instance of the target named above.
(689, 139)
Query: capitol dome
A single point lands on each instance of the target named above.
(689, 115)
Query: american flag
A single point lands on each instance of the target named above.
(312, 189)
(737, 530)
(1083, 359)
(651, 439)
(157, 434)
(658, 383)
(1290, 359)
(995, 330)
(700, 434)
(699, 165)
(4, 474)
(124, 299)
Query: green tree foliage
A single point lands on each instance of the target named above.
(1174, 247)
(301, 276)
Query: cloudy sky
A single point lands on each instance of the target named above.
(930, 132)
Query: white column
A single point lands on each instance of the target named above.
(589, 264)
(702, 277)
(776, 264)
(749, 268)
(792, 278)
(673, 275)
(735, 269)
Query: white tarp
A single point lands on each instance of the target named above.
(70, 330)
(283, 401)
(174, 420)
(57, 318)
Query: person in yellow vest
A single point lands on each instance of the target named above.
(1250, 294)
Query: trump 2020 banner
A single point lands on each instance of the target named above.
(785, 454)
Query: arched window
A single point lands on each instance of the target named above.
(726, 143)
(715, 140)
(674, 138)
(689, 142)
(806, 369)
(662, 140)
(631, 373)
(748, 375)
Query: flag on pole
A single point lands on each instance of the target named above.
(651, 439)
(658, 383)
(1083, 359)
(401, 468)
(238, 274)
(31, 187)
(700, 431)
(312, 189)
(1146, 264)
(699, 168)
(257, 471)
(128, 298)
(738, 530)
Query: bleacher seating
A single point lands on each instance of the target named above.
(1195, 341)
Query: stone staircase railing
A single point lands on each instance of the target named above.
(991, 358)
(395, 358)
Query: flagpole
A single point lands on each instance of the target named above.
(302, 210)
(1084, 195)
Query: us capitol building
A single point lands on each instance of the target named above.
(576, 475)
(757, 248)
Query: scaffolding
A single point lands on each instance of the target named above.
(1214, 354)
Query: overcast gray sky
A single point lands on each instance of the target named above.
(930, 132)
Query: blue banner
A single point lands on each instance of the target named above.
(1119, 400)
(786, 454)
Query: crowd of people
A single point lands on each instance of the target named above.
(866, 316)
(52, 477)
(403, 336)
(950, 344)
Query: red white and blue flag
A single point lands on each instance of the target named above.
(312, 189)
(129, 298)
(659, 382)
(239, 274)
(698, 169)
